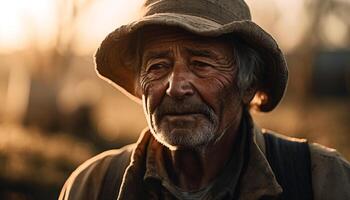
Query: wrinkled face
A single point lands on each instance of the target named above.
(189, 88)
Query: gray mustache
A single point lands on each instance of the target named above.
(170, 106)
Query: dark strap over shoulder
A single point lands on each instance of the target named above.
(290, 161)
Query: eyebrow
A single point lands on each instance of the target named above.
(201, 53)
(155, 54)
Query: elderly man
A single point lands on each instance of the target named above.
(198, 67)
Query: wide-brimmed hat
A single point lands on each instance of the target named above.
(116, 57)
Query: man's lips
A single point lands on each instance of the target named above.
(183, 113)
(175, 116)
(189, 107)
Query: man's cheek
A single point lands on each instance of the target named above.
(211, 89)
(155, 93)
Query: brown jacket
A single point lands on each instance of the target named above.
(330, 173)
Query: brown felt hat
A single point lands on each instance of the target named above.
(115, 58)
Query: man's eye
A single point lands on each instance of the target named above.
(200, 64)
(158, 66)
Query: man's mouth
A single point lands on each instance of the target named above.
(182, 113)
(183, 116)
(189, 109)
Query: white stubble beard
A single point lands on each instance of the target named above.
(195, 138)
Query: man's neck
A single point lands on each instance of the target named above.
(193, 169)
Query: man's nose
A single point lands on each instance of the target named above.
(180, 85)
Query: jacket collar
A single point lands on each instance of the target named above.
(257, 179)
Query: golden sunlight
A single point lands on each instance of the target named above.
(102, 18)
(82, 24)
(25, 23)
(22, 21)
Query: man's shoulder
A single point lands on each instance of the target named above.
(321, 156)
(326, 161)
(325, 154)
(88, 178)
(330, 172)
(122, 154)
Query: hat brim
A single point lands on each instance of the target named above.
(115, 59)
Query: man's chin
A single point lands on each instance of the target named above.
(180, 132)
(180, 138)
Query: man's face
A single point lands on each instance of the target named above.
(189, 87)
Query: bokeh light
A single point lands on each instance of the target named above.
(56, 112)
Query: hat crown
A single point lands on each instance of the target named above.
(220, 11)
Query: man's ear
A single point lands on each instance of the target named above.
(248, 95)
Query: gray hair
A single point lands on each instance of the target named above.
(250, 65)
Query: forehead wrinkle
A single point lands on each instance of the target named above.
(154, 54)
(201, 52)
(166, 45)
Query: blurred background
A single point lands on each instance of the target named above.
(55, 112)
